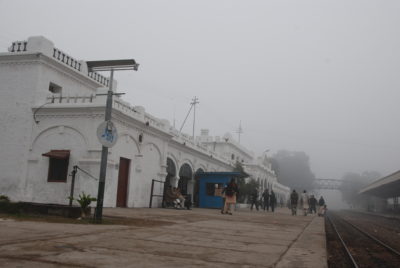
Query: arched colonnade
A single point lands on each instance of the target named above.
(184, 178)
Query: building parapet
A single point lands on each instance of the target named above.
(66, 59)
(18, 46)
(188, 141)
(128, 109)
(206, 139)
(124, 107)
(46, 47)
(58, 98)
(261, 167)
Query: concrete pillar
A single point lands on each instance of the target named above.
(174, 181)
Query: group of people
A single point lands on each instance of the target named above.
(308, 204)
(304, 202)
(231, 191)
(268, 200)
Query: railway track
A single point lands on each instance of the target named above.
(360, 248)
(389, 223)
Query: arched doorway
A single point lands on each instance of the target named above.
(196, 187)
(171, 172)
(185, 174)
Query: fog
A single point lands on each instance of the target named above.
(315, 76)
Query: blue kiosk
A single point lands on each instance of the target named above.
(211, 185)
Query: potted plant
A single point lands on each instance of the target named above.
(84, 201)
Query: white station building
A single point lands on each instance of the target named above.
(49, 115)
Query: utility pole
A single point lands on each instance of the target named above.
(195, 101)
(239, 131)
(109, 136)
(174, 116)
(192, 105)
(104, 156)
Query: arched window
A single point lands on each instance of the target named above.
(185, 174)
(171, 172)
(196, 187)
(171, 169)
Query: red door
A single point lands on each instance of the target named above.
(123, 175)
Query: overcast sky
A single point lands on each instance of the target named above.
(318, 76)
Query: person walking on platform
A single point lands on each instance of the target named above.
(223, 195)
(313, 204)
(272, 200)
(265, 196)
(230, 196)
(294, 198)
(304, 202)
(321, 201)
(254, 199)
(321, 206)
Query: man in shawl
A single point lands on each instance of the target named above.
(304, 202)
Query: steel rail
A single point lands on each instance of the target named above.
(373, 238)
(343, 243)
(394, 217)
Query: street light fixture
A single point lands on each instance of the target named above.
(107, 65)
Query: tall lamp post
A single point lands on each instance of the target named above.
(99, 66)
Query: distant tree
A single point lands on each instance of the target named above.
(293, 169)
(353, 183)
(246, 189)
(246, 186)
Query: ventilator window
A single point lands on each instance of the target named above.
(53, 88)
(58, 165)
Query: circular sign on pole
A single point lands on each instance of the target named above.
(107, 134)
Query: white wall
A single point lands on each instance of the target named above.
(71, 124)
(18, 82)
(37, 189)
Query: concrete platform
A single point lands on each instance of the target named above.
(169, 238)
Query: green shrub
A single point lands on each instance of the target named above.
(4, 198)
(84, 201)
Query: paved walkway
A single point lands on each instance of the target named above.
(169, 238)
